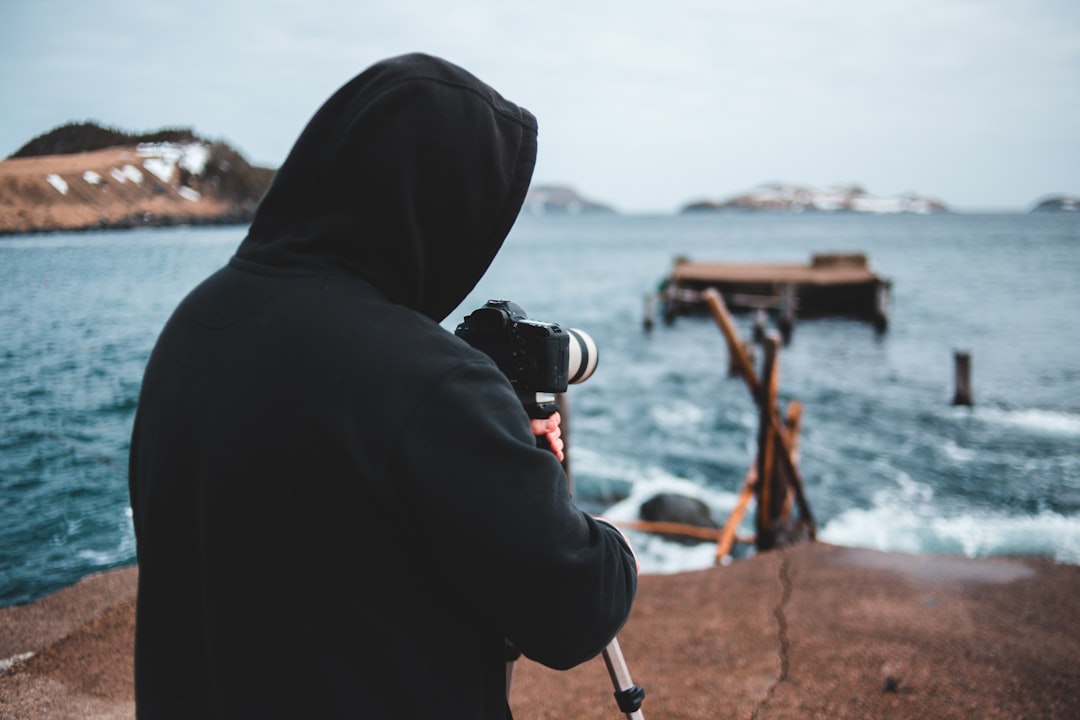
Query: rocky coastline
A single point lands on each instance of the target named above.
(63, 181)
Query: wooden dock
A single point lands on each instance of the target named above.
(832, 284)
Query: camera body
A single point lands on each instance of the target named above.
(538, 358)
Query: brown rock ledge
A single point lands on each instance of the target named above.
(814, 631)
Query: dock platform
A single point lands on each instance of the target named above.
(832, 284)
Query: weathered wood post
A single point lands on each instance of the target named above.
(727, 535)
(786, 321)
(734, 368)
(881, 306)
(771, 487)
(793, 423)
(787, 529)
(740, 358)
(669, 299)
(963, 379)
(760, 320)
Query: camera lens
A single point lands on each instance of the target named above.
(583, 356)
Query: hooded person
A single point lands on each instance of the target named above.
(340, 507)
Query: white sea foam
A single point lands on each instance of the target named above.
(101, 557)
(897, 528)
(676, 415)
(123, 550)
(663, 557)
(958, 454)
(1055, 422)
(904, 517)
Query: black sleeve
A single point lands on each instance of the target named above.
(505, 532)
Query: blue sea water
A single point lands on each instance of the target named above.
(888, 461)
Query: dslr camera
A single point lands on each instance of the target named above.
(539, 358)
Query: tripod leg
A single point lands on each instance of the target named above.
(627, 694)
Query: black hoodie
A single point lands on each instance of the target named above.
(339, 507)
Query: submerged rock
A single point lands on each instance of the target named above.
(674, 508)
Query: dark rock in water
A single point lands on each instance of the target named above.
(673, 508)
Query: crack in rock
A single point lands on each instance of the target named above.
(781, 635)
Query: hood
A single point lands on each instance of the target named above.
(410, 176)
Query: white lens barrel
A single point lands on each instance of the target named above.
(583, 356)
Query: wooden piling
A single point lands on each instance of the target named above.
(793, 422)
(734, 368)
(789, 529)
(772, 491)
(963, 379)
(739, 357)
(727, 534)
(760, 318)
(881, 306)
(784, 452)
(786, 320)
(668, 300)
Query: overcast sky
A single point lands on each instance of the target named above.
(642, 105)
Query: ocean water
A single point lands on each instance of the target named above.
(888, 461)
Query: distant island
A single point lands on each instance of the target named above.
(560, 200)
(775, 197)
(1058, 204)
(83, 176)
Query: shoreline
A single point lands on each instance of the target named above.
(814, 630)
(138, 221)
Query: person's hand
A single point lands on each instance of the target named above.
(549, 428)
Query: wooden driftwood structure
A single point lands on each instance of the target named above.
(775, 480)
(840, 284)
(783, 515)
